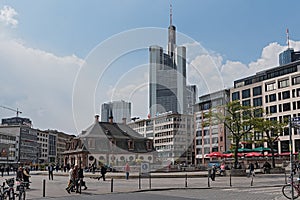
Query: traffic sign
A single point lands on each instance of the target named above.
(145, 168)
(295, 121)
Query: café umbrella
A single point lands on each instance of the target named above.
(230, 155)
(215, 154)
(254, 154)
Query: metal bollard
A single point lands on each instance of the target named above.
(139, 181)
(44, 187)
(208, 183)
(230, 180)
(149, 180)
(80, 186)
(186, 184)
(112, 185)
(285, 178)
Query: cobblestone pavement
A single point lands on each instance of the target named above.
(195, 186)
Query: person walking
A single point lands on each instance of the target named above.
(81, 176)
(70, 186)
(2, 170)
(103, 171)
(127, 170)
(251, 169)
(213, 172)
(50, 172)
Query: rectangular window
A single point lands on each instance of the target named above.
(270, 86)
(246, 103)
(286, 95)
(293, 93)
(258, 112)
(294, 105)
(235, 96)
(256, 91)
(279, 96)
(257, 101)
(272, 97)
(286, 107)
(273, 109)
(246, 93)
(283, 83)
(267, 98)
(296, 80)
(280, 107)
(298, 92)
(298, 104)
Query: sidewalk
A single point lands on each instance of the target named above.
(158, 181)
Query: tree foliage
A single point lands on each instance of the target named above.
(239, 121)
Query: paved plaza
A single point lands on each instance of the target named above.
(189, 185)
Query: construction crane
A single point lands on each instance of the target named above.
(11, 109)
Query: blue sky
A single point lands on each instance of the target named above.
(44, 45)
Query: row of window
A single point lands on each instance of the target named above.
(268, 87)
(282, 83)
(283, 107)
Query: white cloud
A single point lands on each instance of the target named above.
(217, 73)
(7, 16)
(39, 83)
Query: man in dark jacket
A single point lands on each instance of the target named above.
(81, 176)
(103, 172)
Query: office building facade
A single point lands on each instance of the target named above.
(210, 137)
(277, 92)
(172, 136)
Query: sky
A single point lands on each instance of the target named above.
(61, 59)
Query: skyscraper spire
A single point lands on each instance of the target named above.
(171, 14)
(172, 35)
(287, 38)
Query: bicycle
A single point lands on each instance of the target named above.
(8, 192)
(287, 189)
(21, 185)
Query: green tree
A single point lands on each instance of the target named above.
(239, 121)
(271, 130)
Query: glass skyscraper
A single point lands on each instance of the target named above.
(167, 76)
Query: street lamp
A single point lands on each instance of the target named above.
(295, 121)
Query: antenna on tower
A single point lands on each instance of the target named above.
(288, 38)
(170, 13)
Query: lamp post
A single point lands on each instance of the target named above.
(295, 121)
(291, 154)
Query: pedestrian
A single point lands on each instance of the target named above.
(213, 172)
(251, 169)
(75, 177)
(70, 185)
(256, 165)
(103, 171)
(2, 170)
(81, 176)
(7, 170)
(19, 175)
(26, 176)
(50, 172)
(222, 169)
(127, 170)
(267, 167)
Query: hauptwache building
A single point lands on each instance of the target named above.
(108, 143)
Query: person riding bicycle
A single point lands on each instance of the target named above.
(26, 176)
